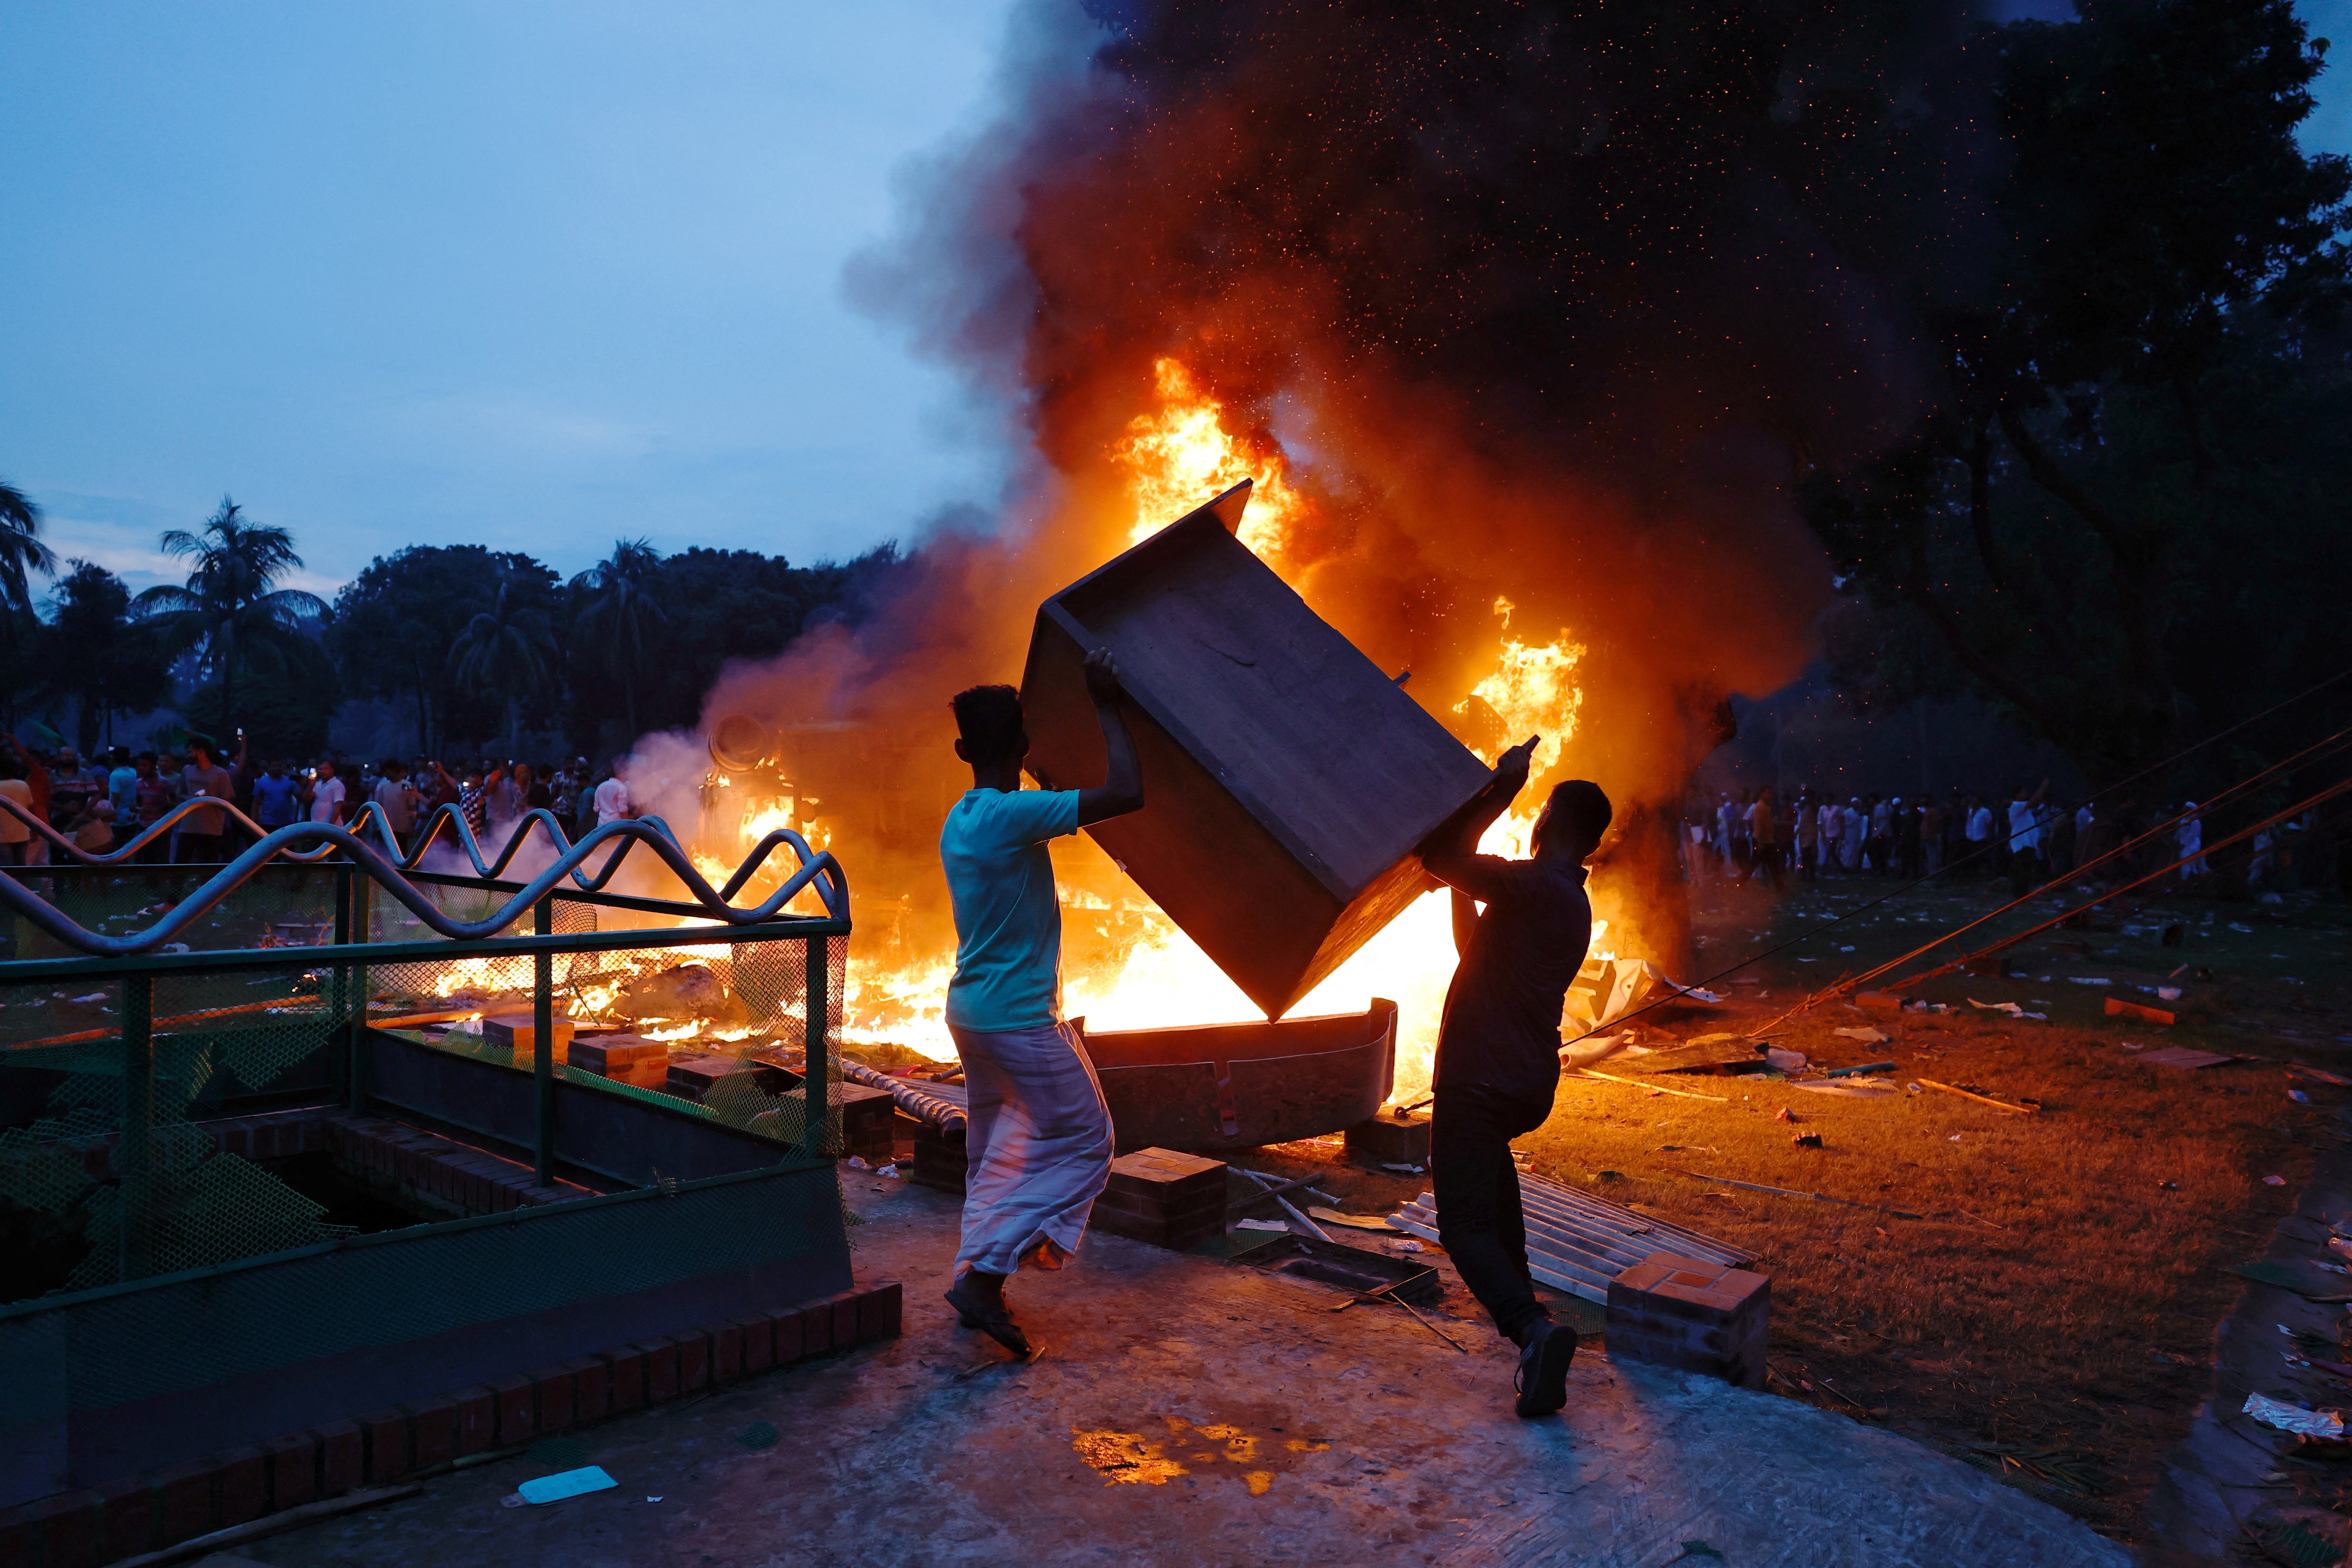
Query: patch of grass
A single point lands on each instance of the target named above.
(2058, 1302)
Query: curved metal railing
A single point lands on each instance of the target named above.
(308, 842)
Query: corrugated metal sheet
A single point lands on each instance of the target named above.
(1579, 1243)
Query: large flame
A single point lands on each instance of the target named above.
(1182, 455)
(1126, 965)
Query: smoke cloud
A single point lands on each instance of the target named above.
(1533, 306)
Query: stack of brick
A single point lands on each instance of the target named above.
(697, 1076)
(624, 1059)
(433, 1172)
(1701, 1317)
(146, 1514)
(518, 1033)
(1171, 1200)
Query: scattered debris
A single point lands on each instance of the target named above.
(2326, 1426)
(1864, 1033)
(2090, 980)
(2317, 1075)
(2017, 1011)
(1790, 1062)
(1878, 1001)
(1857, 1071)
(2311, 1282)
(2119, 1009)
(1785, 1115)
(1577, 1242)
(2186, 1057)
(2273, 1181)
(1356, 1221)
(1857, 1087)
(1806, 1140)
(566, 1484)
(1273, 1225)
(1979, 1099)
(1403, 1170)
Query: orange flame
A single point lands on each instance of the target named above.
(1183, 454)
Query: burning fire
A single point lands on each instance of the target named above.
(1154, 974)
(1183, 454)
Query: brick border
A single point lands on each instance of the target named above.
(119, 1518)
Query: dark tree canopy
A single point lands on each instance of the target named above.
(2125, 513)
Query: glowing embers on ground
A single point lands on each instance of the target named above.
(1131, 1458)
(1183, 454)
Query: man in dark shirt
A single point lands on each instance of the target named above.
(1498, 1048)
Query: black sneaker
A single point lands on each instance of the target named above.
(1542, 1380)
(993, 1319)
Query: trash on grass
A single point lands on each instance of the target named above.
(2186, 1057)
(1864, 1033)
(2273, 1181)
(1860, 1086)
(1787, 1061)
(2327, 1426)
(1358, 1221)
(2090, 980)
(1806, 1140)
(566, 1484)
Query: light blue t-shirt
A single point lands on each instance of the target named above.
(1008, 920)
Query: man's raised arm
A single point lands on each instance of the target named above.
(1122, 787)
(1451, 854)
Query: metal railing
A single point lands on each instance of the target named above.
(136, 962)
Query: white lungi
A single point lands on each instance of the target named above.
(1038, 1141)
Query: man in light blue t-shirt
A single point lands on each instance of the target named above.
(1038, 1135)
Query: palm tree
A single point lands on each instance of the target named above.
(506, 651)
(229, 610)
(617, 610)
(21, 550)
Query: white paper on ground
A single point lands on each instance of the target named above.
(2326, 1424)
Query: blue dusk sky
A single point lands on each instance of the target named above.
(528, 274)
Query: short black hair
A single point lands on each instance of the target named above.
(989, 718)
(1578, 809)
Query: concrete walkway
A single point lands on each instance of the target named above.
(1190, 1412)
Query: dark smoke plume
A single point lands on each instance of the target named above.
(1544, 303)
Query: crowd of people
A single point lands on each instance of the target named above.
(111, 798)
(2026, 837)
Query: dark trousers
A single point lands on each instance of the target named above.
(1477, 1191)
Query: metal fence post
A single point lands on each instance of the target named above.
(138, 1147)
(817, 1083)
(542, 1039)
(352, 920)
